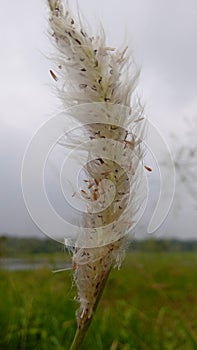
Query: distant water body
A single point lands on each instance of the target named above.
(16, 264)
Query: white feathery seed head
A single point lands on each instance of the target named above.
(90, 71)
(98, 83)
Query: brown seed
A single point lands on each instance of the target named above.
(90, 186)
(78, 41)
(82, 32)
(101, 160)
(82, 86)
(74, 265)
(84, 192)
(106, 173)
(147, 168)
(95, 195)
(130, 143)
(96, 182)
(53, 75)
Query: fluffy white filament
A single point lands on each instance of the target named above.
(99, 81)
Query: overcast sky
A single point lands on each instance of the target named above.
(163, 36)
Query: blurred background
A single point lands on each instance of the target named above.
(152, 302)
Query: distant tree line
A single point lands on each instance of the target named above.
(14, 246)
(164, 245)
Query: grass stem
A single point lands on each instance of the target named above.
(81, 332)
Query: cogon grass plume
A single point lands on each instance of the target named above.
(98, 82)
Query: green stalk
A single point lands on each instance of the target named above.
(81, 332)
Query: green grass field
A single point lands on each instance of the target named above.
(151, 303)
